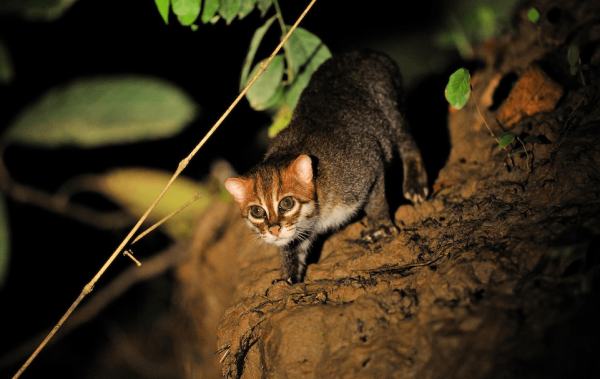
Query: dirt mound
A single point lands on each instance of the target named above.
(495, 276)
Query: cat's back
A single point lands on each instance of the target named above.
(347, 83)
(341, 103)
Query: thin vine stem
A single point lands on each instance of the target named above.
(488, 127)
(182, 165)
(483, 118)
(526, 153)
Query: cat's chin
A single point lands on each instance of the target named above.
(279, 242)
(283, 239)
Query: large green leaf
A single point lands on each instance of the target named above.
(104, 111)
(163, 9)
(267, 85)
(254, 43)
(229, 9)
(458, 89)
(307, 52)
(187, 11)
(4, 241)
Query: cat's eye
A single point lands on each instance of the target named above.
(286, 204)
(257, 212)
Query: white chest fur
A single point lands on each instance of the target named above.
(334, 217)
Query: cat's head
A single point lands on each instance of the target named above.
(277, 200)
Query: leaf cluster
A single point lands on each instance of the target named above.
(100, 112)
(209, 11)
(278, 89)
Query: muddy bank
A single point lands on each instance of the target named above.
(495, 276)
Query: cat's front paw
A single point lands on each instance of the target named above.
(288, 281)
(383, 233)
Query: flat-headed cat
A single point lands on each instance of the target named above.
(329, 163)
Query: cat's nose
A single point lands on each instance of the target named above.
(275, 229)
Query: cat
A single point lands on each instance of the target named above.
(329, 163)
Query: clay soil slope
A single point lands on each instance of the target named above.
(495, 276)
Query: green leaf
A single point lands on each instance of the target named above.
(210, 9)
(187, 11)
(532, 139)
(136, 188)
(104, 111)
(4, 241)
(458, 89)
(229, 9)
(486, 23)
(187, 20)
(573, 55)
(533, 15)
(267, 84)
(264, 5)
(573, 58)
(568, 252)
(246, 7)
(254, 43)
(6, 68)
(506, 138)
(307, 52)
(277, 101)
(163, 9)
(573, 70)
(281, 120)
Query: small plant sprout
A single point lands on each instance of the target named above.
(575, 62)
(505, 138)
(458, 92)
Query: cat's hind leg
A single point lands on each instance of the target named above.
(378, 213)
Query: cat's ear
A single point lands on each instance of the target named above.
(238, 188)
(302, 167)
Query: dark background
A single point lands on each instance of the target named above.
(53, 257)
